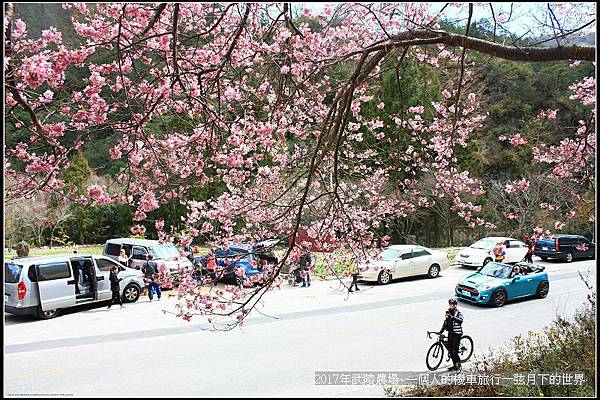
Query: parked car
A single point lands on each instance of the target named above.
(44, 286)
(495, 284)
(564, 247)
(229, 261)
(138, 248)
(399, 261)
(235, 259)
(482, 252)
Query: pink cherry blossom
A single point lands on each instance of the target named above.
(559, 225)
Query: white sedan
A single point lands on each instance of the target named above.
(482, 252)
(399, 261)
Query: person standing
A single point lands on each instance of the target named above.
(76, 274)
(115, 289)
(529, 256)
(305, 265)
(89, 272)
(353, 270)
(123, 259)
(149, 269)
(453, 324)
(499, 252)
(211, 266)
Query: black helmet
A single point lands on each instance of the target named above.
(452, 300)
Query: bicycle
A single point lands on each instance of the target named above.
(435, 354)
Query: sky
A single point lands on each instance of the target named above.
(520, 23)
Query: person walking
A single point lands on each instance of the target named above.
(149, 269)
(115, 289)
(353, 270)
(453, 324)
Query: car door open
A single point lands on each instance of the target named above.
(138, 256)
(56, 285)
(103, 278)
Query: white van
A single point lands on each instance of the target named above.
(138, 248)
(43, 286)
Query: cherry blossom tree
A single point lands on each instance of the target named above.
(249, 99)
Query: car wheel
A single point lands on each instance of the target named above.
(384, 278)
(239, 280)
(543, 289)
(487, 260)
(48, 314)
(569, 257)
(434, 271)
(131, 293)
(544, 258)
(498, 298)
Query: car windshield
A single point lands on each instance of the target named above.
(485, 244)
(164, 251)
(496, 270)
(389, 254)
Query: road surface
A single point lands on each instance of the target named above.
(139, 351)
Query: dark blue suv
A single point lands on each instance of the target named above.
(564, 247)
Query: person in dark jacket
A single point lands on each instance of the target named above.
(89, 272)
(149, 269)
(306, 266)
(114, 287)
(353, 270)
(530, 245)
(453, 324)
(76, 273)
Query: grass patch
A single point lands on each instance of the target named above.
(41, 251)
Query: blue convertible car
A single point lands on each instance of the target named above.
(497, 283)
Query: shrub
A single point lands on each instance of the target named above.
(565, 346)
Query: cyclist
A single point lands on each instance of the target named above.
(453, 324)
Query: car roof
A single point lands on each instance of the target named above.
(498, 238)
(560, 235)
(54, 257)
(403, 246)
(134, 241)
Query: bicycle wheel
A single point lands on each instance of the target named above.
(465, 348)
(435, 356)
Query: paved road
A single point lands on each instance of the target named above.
(139, 351)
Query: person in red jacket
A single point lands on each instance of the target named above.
(211, 266)
(499, 252)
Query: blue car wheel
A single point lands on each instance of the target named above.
(498, 298)
(543, 289)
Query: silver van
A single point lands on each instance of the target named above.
(43, 286)
(138, 248)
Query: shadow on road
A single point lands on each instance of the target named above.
(398, 280)
(10, 319)
(474, 306)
